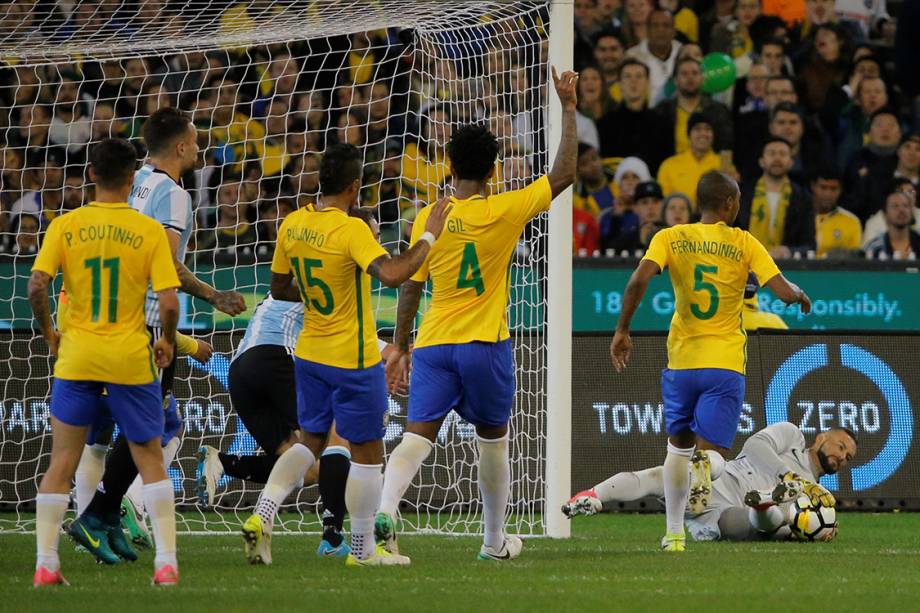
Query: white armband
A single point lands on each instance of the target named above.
(429, 237)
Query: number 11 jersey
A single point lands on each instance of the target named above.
(709, 265)
(469, 265)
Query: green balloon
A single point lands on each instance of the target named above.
(718, 72)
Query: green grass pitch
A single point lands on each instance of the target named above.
(610, 564)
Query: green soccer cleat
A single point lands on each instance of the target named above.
(92, 533)
(257, 541)
(700, 482)
(385, 532)
(674, 542)
(118, 543)
(133, 521)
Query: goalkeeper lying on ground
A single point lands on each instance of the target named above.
(749, 494)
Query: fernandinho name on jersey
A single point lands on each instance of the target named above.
(716, 248)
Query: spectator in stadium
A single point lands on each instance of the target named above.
(791, 12)
(676, 210)
(734, 37)
(809, 151)
(838, 232)
(592, 191)
(748, 96)
(11, 172)
(773, 55)
(76, 190)
(608, 15)
(691, 50)
(871, 95)
(274, 146)
(593, 98)
(690, 99)
(278, 80)
(424, 168)
(774, 209)
(719, 12)
(23, 238)
(876, 225)
(303, 179)
(686, 22)
(234, 136)
(632, 128)
(45, 200)
(823, 73)
(658, 51)
(72, 125)
(105, 125)
(682, 172)
(648, 209)
(233, 234)
(271, 214)
(629, 173)
(608, 53)
(586, 235)
(899, 241)
(817, 13)
(128, 99)
(34, 122)
(864, 67)
(586, 27)
(909, 159)
(635, 22)
(870, 170)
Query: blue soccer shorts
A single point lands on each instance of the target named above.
(356, 399)
(137, 409)
(475, 379)
(101, 430)
(707, 401)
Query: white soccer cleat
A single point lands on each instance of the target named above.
(700, 482)
(381, 557)
(785, 491)
(210, 471)
(511, 548)
(583, 503)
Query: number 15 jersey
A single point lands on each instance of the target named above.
(469, 265)
(709, 265)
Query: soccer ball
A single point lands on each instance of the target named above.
(811, 523)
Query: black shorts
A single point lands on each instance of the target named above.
(264, 395)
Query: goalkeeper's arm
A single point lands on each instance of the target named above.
(764, 447)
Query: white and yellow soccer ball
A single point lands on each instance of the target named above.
(812, 522)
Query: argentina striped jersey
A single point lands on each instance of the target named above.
(274, 322)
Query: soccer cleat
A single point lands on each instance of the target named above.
(583, 503)
(785, 491)
(210, 471)
(134, 522)
(700, 482)
(165, 576)
(91, 532)
(385, 532)
(327, 550)
(119, 544)
(381, 557)
(44, 577)
(510, 549)
(674, 542)
(257, 541)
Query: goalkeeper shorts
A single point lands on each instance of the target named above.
(707, 401)
(136, 409)
(474, 379)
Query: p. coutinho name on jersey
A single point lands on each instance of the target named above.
(307, 235)
(100, 232)
(724, 250)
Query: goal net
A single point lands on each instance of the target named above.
(270, 84)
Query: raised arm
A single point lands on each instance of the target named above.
(621, 345)
(789, 292)
(38, 300)
(394, 271)
(229, 302)
(562, 174)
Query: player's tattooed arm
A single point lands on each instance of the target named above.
(410, 295)
(283, 287)
(230, 302)
(562, 173)
(38, 299)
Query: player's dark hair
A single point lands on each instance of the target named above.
(113, 161)
(340, 167)
(827, 172)
(848, 432)
(775, 139)
(162, 128)
(685, 60)
(786, 107)
(472, 151)
(714, 189)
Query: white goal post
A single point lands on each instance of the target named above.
(269, 84)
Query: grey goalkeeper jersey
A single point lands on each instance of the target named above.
(764, 458)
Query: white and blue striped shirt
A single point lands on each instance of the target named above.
(156, 195)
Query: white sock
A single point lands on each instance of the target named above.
(49, 515)
(286, 474)
(767, 520)
(158, 499)
(716, 464)
(494, 487)
(402, 466)
(362, 498)
(676, 477)
(89, 474)
(623, 487)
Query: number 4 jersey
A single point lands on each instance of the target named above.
(108, 253)
(469, 265)
(328, 253)
(709, 265)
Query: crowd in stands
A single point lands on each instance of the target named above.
(820, 126)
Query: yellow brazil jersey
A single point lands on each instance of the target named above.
(708, 265)
(469, 265)
(682, 172)
(839, 229)
(108, 253)
(328, 253)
